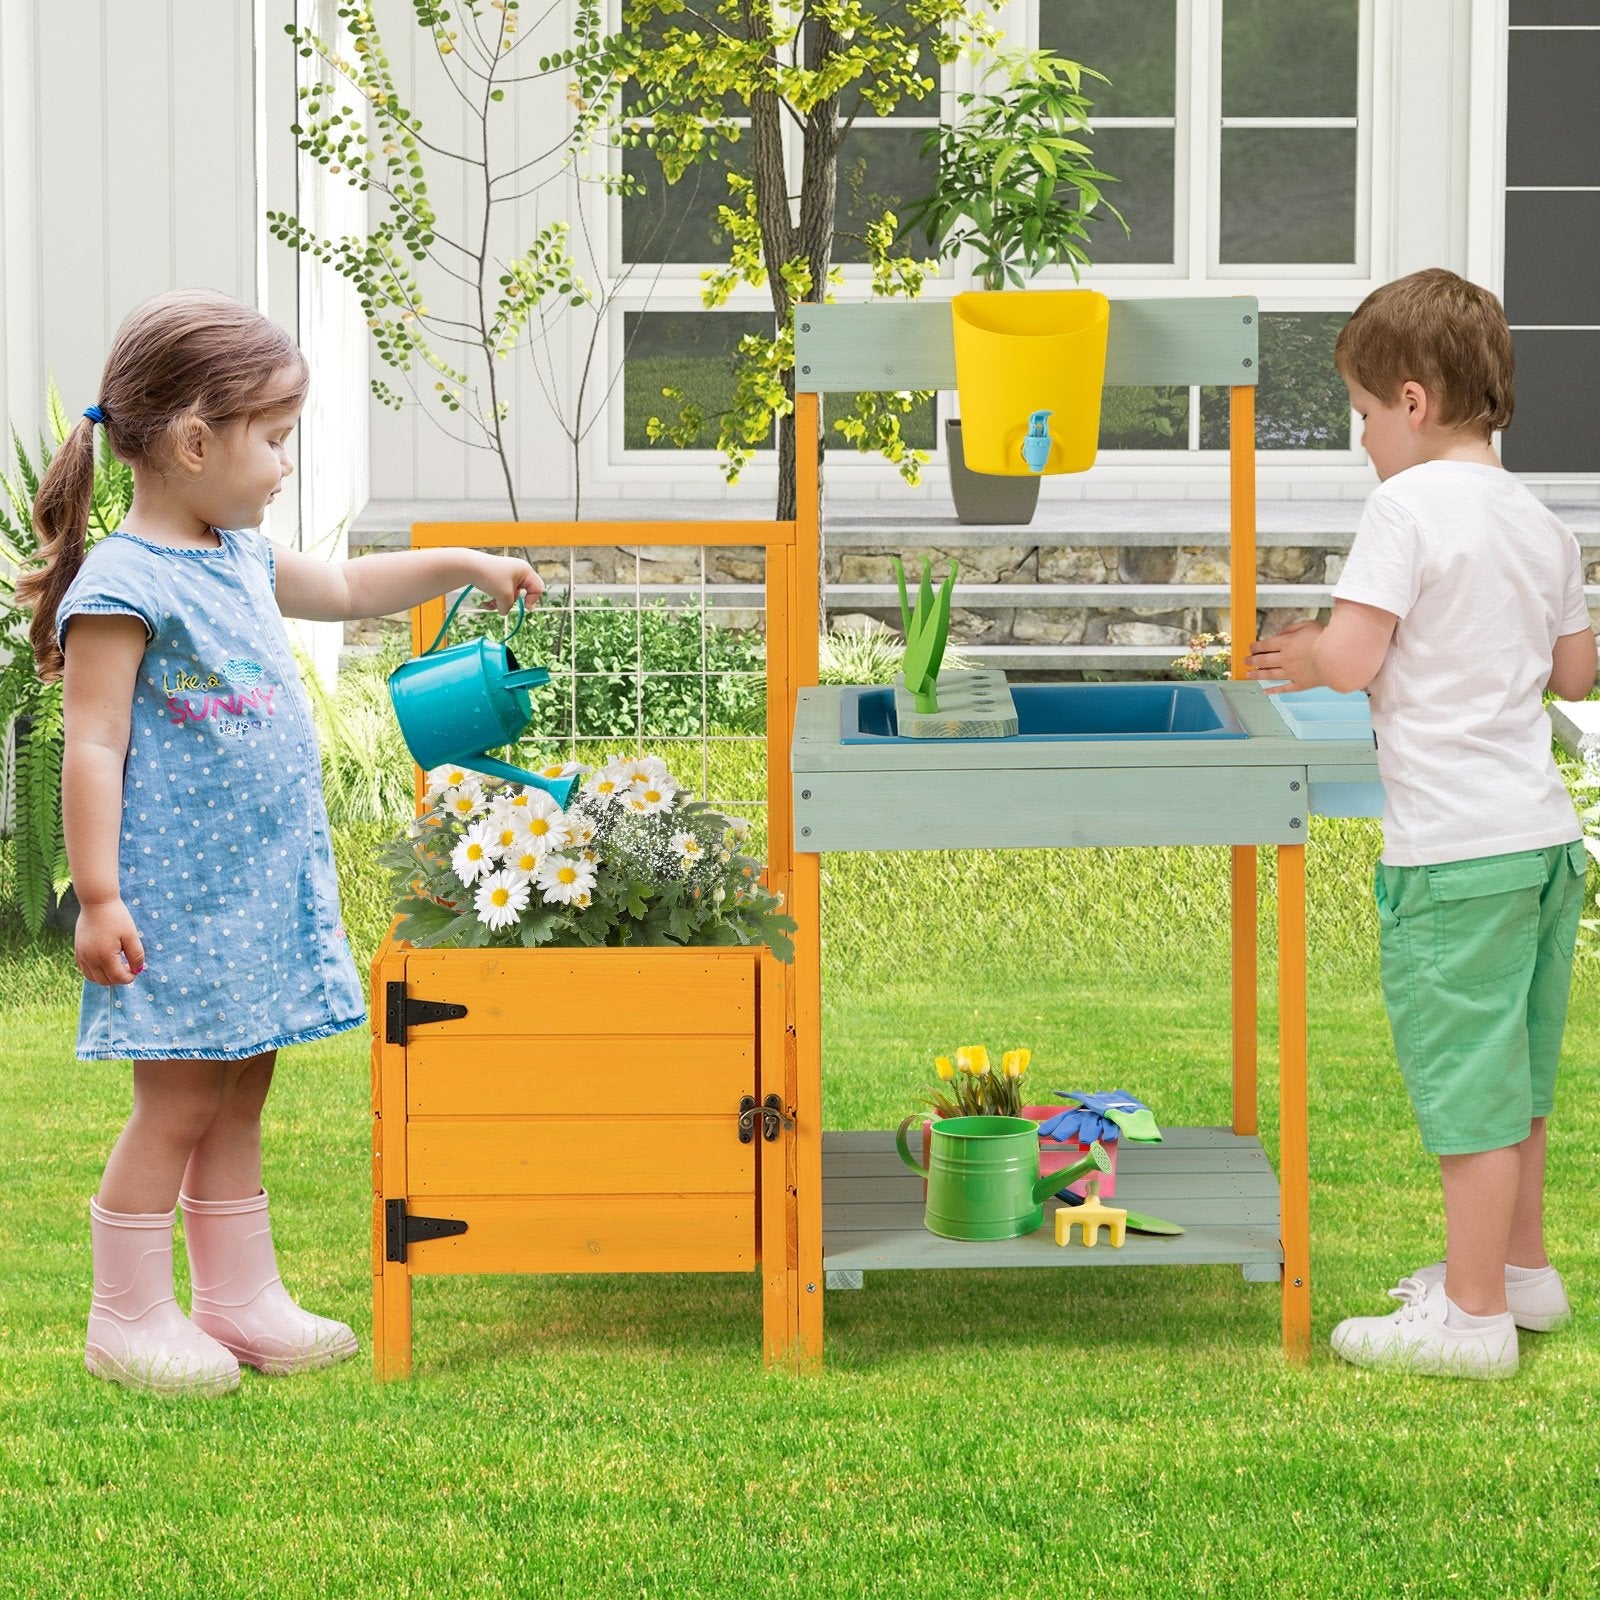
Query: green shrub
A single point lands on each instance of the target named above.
(697, 672)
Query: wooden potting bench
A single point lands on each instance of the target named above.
(491, 1156)
(857, 1209)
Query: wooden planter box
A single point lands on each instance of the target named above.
(561, 1111)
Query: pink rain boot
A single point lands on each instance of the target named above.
(138, 1334)
(240, 1300)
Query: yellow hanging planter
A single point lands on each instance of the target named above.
(1030, 365)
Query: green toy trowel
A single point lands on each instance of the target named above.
(1137, 1221)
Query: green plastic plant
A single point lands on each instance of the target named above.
(31, 710)
(927, 626)
(1016, 183)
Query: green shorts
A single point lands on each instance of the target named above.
(1476, 960)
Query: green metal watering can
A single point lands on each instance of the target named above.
(983, 1176)
(454, 705)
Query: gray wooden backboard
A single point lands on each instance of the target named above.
(911, 345)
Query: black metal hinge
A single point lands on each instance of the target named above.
(402, 1012)
(772, 1115)
(401, 1230)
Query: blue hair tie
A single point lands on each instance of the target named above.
(94, 414)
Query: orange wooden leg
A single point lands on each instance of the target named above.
(780, 1328)
(391, 1280)
(807, 982)
(1294, 1146)
(1244, 988)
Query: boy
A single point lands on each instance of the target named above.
(1461, 601)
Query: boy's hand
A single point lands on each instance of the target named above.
(107, 945)
(1287, 656)
(503, 578)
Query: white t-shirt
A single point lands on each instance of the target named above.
(1484, 580)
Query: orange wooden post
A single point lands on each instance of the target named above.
(778, 1242)
(806, 984)
(1294, 1144)
(391, 1280)
(1242, 627)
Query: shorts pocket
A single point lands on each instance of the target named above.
(1485, 916)
(1577, 887)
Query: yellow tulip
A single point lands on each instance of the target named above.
(979, 1057)
(941, 1065)
(964, 1058)
(1016, 1062)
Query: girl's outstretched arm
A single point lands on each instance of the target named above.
(380, 585)
(102, 666)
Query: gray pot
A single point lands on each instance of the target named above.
(986, 496)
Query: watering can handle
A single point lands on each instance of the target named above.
(450, 616)
(905, 1153)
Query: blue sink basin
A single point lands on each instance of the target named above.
(1060, 711)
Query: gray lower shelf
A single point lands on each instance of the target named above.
(1217, 1184)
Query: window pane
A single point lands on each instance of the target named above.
(880, 169)
(1289, 194)
(694, 351)
(1289, 58)
(1141, 160)
(1301, 403)
(678, 221)
(1143, 417)
(1133, 42)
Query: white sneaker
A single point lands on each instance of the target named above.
(1538, 1304)
(1417, 1338)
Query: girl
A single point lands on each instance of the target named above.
(209, 933)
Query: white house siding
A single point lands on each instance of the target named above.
(139, 146)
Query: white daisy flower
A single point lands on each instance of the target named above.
(442, 778)
(607, 784)
(504, 831)
(476, 854)
(464, 800)
(688, 847)
(500, 900)
(545, 830)
(645, 798)
(645, 769)
(561, 880)
(522, 861)
(739, 827)
(562, 769)
(579, 831)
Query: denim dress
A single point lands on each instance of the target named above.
(225, 861)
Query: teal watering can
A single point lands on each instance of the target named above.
(453, 705)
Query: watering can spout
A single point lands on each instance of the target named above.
(559, 789)
(1037, 443)
(1097, 1160)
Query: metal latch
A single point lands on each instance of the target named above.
(772, 1115)
(401, 1229)
(402, 1012)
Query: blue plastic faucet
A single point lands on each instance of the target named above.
(1036, 444)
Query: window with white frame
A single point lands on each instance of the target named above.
(1241, 135)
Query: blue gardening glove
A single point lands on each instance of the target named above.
(1083, 1122)
(1106, 1116)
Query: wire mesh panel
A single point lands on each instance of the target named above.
(656, 649)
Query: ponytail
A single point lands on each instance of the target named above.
(189, 357)
(61, 519)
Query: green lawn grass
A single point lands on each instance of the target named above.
(1122, 1433)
